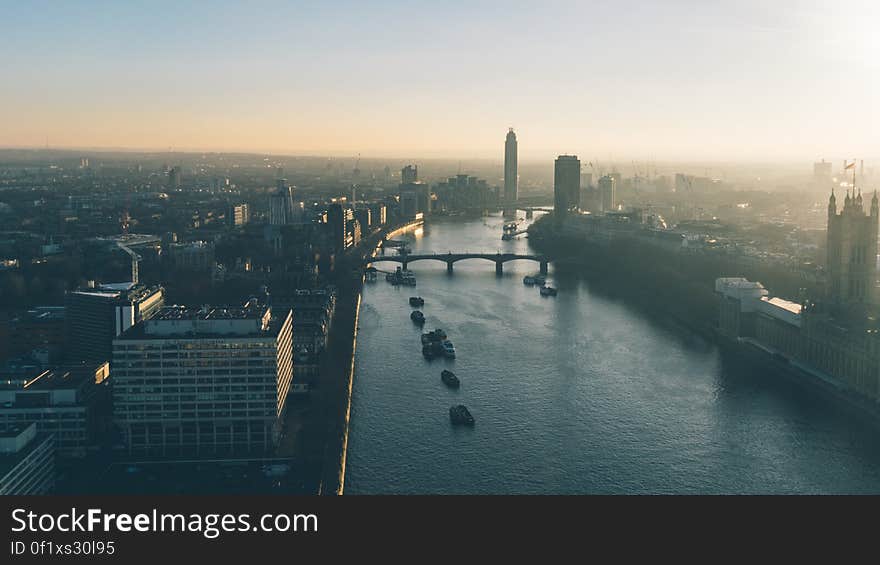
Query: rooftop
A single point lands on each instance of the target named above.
(114, 291)
(210, 313)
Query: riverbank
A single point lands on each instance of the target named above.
(678, 289)
(333, 398)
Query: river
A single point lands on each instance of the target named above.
(578, 393)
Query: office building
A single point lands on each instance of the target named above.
(204, 381)
(566, 186)
(71, 402)
(378, 214)
(238, 215)
(337, 220)
(415, 198)
(195, 256)
(27, 461)
(607, 188)
(95, 316)
(174, 178)
(281, 204)
(822, 173)
(409, 174)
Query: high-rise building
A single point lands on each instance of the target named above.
(409, 174)
(364, 217)
(415, 198)
(852, 250)
(336, 223)
(511, 178)
(204, 381)
(95, 316)
(174, 180)
(607, 199)
(822, 173)
(378, 214)
(281, 204)
(239, 215)
(566, 185)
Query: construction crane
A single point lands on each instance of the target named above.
(135, 258)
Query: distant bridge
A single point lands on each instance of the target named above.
(451, 258)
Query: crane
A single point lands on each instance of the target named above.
(135, 258)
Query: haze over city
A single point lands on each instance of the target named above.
(673, 80)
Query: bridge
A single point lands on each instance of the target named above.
(451, 258)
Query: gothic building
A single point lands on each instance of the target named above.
(852, 252)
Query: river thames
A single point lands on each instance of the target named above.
(578, 393)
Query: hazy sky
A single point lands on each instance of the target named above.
(623, 79)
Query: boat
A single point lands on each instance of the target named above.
(417, 317)
(429, 351)
(449, 379)
(401, 277)
(529, 281)
(548, 291)
(416, 301)
(431, 337)
(460, 416)
(448, 349)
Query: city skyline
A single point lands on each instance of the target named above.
(681, 81)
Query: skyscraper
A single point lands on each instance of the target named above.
(510, 168)
(409, 174)
(852, 250)
(566, 185)
(822, 173)
(607, 184)
(281, 205)
(336, 223)
(174, 178)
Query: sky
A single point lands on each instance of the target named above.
(729, 80)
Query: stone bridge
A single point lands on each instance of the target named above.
(451, 258)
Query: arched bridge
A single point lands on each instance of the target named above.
(450, 258)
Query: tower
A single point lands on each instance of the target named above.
(566, 185)
(852, 251)
(281, 204)
(607, 185)
(510, 168)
